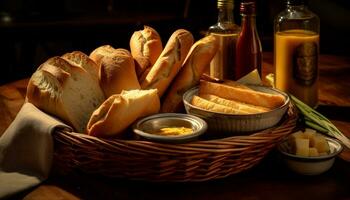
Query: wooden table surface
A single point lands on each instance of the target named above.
(270, 179)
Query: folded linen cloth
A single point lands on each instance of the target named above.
(26, 150)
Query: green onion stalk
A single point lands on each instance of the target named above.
(317, 121)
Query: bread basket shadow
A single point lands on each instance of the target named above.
(200, 160)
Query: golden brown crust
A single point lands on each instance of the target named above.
(214, 107)
(198, 59)
(169, 62)
(80, 59)
(121, 110)
(145, 47)
(248, 96)
(241, 107)
(97, 54)
(65, 90)
(117, 73)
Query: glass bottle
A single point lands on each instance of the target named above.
(223, 64)
(296, 50)
(248, 54)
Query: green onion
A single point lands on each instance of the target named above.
(319, 122)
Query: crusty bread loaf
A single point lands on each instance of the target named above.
(117, 73)
(242, 108)
(121, 110)
(169, 62)
(198, 58)
(82, 60)
(145, 47)
(100, 52)
(66, 91)
(214, 107)
(248, 96)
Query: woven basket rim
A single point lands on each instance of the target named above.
(199, 160)
(262, 135)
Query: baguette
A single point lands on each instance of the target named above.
(198, 59)
(145, 47)
(244, 95)
(241, 107)
(214, 107)
(120, 110)
(169, 62)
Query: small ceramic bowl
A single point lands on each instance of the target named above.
(235, 124)
(310, 165)
(148, 126)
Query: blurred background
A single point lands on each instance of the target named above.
(31, 31)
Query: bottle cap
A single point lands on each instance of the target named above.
(248, 8)
(225, 3)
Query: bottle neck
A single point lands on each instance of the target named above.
(248, 22)
(225, 15)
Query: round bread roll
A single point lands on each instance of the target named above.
(100, 52)
(116, 69)
(145, 47)
(117, 73)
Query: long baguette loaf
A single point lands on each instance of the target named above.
(66, 91)
(169, 62)
(241, 94)
(198, 58)
(145, 47)
(120, 110)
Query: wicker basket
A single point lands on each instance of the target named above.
(151, 161)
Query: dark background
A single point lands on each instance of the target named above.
(31, 31)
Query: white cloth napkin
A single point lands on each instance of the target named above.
(26, 150)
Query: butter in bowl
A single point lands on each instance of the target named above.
(308, 152)
(170, 127)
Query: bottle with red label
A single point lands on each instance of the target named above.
(248, 47)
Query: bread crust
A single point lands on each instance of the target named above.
(116, 69)
(117, 73)
(242, 94)
(214, 107)
(242, 108)
(120, 110)
(196, 62)
(55, 88)
(169, 62)
(80, 59)
(145, 47)
(97, 54)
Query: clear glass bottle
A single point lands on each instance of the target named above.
(249, 51)
(296, 50)
(223, 64)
